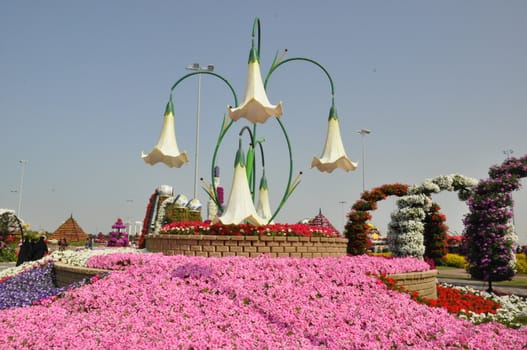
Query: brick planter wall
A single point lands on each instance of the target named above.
(67, 274)
(249, 246)
(422, 282)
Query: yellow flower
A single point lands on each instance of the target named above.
(256, 106)
(240, 207)
(334, 156)
(166, 150)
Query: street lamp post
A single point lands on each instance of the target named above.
(128, 222)
(342, 214)
(198, 68)
(363, 132)
(21, 187)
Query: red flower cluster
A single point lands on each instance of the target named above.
(204, 228)
(456, 301)
(452, 299)
(147, 220)
(356, 229)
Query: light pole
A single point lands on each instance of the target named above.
(363, 132)
(21, 187)
(342, 214)
(130, 202)
(198, 68)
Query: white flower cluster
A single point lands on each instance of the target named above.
(161, 214)
(406, 229)
(80, 257)
(513, 308)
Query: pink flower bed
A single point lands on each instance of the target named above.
(178, 302)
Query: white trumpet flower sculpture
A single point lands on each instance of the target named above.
(334, 156)
(256, 106)
(263, 209)
(240, 207)
(166, 151)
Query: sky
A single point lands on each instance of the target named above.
(442, 86)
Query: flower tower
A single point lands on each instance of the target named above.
(118, 237)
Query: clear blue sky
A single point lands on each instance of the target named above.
(83, 87)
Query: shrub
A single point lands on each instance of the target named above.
(454, 260)
(521, 263)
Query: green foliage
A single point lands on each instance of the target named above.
(8, 253)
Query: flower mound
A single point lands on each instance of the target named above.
(177, 302)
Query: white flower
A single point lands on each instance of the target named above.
(256, 106)
(166, 150)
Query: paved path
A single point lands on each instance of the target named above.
(463, 281)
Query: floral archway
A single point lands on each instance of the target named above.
(406, 229)
(356, 229)
(489, 233)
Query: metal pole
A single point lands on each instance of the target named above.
(362, 133)
(20, 188)
(196, 155)
(198, 68)
(342, 214)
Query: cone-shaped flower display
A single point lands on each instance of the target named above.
(240, 207)
(334, 155)
(256, 106)
(263, 209)
(166, 150)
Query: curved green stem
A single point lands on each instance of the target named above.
(251, 178)
(223, 129)
(257, 25)
(275, 66)
(261, 151)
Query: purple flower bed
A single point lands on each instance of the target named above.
(30, 287)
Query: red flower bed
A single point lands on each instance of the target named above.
(204, 228)
(452, 299)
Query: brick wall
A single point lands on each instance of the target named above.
(422, 282)
(249, 246)
(67, 274)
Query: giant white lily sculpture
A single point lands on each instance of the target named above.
(263, 209)
(256, 106)
(334, 156)
(166, 150)
(240, 207)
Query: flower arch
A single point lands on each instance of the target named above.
(356, 229)
(489, 233)
(406, 229)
